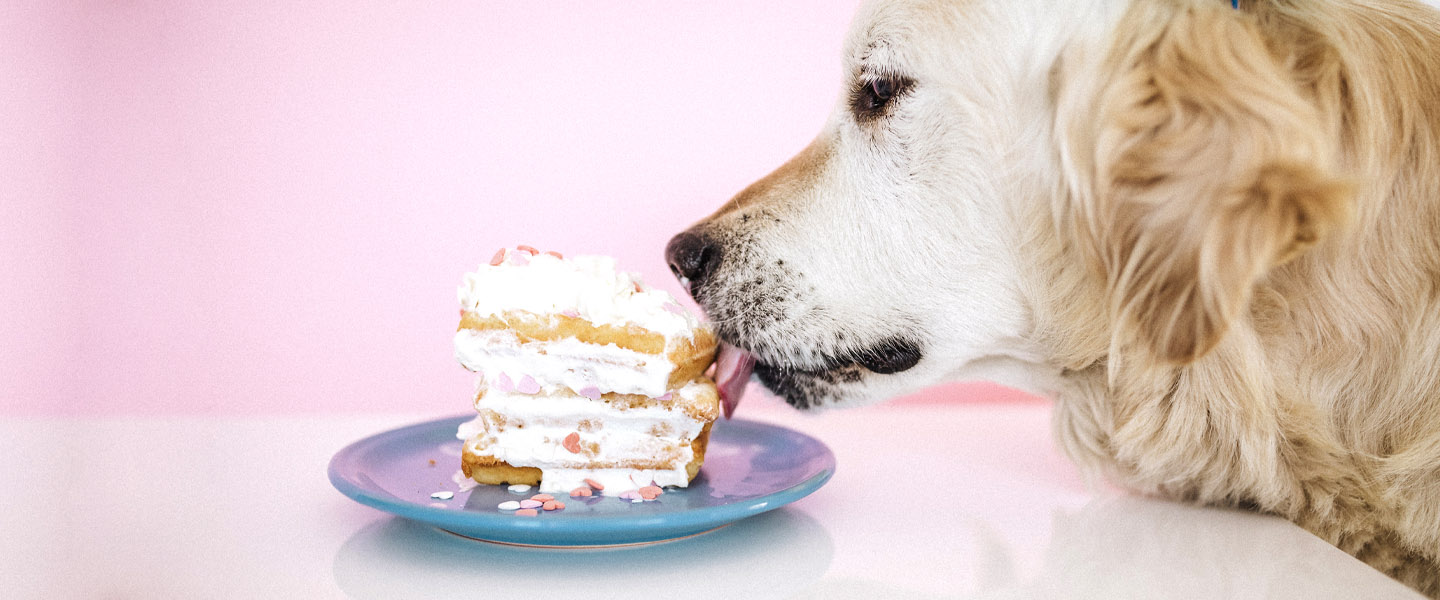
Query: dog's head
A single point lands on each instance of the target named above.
(994, 169)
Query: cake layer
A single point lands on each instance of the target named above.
(566, 435)
(698, 399)
(557, 350)
(589, 287)
(489, 470)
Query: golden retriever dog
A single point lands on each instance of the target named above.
(1210, 233)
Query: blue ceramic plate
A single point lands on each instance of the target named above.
(749, 468)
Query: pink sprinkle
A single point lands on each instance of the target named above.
(542, 497)
(580, 492)
(531, 504)
(572, 443)
(498, 258)
(572, 313)
(666, 397)
(528, 385)
(529, 249)
(527, 512)
(504, 384)
(674, 308)
(519, 259)
(630, 495)
(590, 392)
(554, 254)
(637, 287)
(594, 484)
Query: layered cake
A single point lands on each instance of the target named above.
(582, 372)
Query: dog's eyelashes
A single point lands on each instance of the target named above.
(873, 96)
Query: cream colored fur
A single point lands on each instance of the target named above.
(1212, 235)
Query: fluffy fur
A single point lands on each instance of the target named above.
(1210, 234)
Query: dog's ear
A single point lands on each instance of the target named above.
(1206, 169)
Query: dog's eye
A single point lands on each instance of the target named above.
(873, 96)
(882, 90)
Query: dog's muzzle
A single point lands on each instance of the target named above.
(694, 257)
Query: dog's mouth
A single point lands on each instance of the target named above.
(804, 387)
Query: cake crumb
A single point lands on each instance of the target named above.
(464, 483)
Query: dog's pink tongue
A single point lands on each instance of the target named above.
(732, 372)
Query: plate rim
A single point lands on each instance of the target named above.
(606, 527)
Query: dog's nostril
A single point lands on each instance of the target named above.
(692, 256)
(890, 356)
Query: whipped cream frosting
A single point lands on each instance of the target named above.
(640, 433)
(568, 362)
(590, 286)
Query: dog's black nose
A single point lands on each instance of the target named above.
(693, 257)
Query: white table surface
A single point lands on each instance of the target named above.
(206, 507)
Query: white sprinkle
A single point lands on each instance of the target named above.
(438, 504)
(519, 488)
(634, 500)
(442, 495)
(508, 505)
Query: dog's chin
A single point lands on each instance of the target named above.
(839, 380)
(807, 389)
(826, 380)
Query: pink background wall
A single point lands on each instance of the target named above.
(265, 206)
